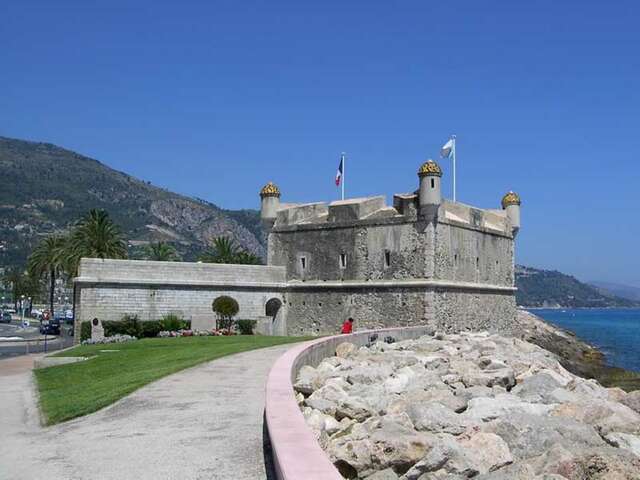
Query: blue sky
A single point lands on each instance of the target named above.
(213, 99)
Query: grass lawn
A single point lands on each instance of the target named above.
(69, 391)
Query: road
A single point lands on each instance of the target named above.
(31, 340)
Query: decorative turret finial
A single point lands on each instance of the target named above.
(510, 198)
(429, 168)
(270, 190)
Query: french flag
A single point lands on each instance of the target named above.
(340, 170)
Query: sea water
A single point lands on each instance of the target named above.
(616, 332)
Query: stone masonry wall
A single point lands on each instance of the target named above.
(452, 310)
(456, 311)
(408, 247)
(112, 302)
(323, 312)
(110, 289)
(470, 255)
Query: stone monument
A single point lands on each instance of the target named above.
(97, 330)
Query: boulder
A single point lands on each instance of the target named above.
(345, 349)
(446, 459)
(395, 444)
(603, 463)
(369, 374)
(530, 435)
(306, 380)
(327, 399)
(515, 471)
(625, 441)
(386, 474)
(487, 409)
(503, 377)
(436, 418)
(537, 388)
(587, 388)
(616, 394)
(632, 400)
(440, 394)
(605, 415)
(489, 451)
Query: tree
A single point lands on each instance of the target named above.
(225, 308)
(223, 250)
(22, 284)
(94, 236)
(46, 260)
(162, 251)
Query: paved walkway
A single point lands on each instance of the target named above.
(202, 423)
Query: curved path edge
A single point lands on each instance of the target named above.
(204, 422)
(296, 453)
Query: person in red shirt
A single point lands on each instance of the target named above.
(347, 326)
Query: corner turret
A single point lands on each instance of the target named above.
(430, 193)
(269, 204)
(511, 203)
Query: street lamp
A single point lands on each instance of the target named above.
(22, 310)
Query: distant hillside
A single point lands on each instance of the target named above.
(547, 288)
(45, 188)
(624, 291)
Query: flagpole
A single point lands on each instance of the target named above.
(453, 137)
(344, 169)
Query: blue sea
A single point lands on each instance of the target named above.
(616, 332)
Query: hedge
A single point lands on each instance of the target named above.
(246, 326)
(131, 325)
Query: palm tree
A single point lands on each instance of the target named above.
(247, 258)
(95, 236)
(162, 251)
(47, 260)
(222, 250)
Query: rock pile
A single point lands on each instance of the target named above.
(467, 405)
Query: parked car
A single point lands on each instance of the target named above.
(5, 317)
(51, 327)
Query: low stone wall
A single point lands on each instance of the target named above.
(296, 453)
(110, 289)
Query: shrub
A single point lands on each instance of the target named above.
(85, 331)
(173, 323)
(225, 308)
(129, 325)
(246, 326)
(150, 329)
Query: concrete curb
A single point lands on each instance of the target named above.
(296, 453)
(46, 362)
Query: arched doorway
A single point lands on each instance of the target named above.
(273, 310)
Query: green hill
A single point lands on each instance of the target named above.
(548, 288)
(45, 188)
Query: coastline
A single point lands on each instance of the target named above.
(574, 354)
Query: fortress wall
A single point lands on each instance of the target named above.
(471, 254)
(112, 302)
(105, 270)
(456, 311)
(409, 247)
(109, 289)
(322, 312)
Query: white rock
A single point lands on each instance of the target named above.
(624, 440)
